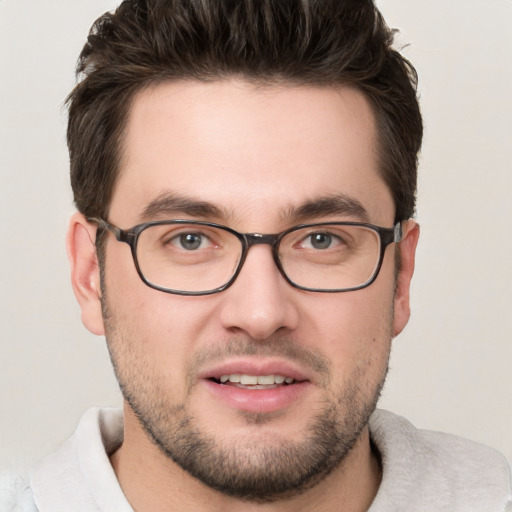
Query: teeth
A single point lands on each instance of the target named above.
(248, 379)
(232, 378)
(266, 379)
(253, 380)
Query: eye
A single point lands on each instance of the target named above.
(190, 241)
(320, 241)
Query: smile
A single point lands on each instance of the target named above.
(255, 381)
(257, 386)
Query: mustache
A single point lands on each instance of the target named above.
(279, 346)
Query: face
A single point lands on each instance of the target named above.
(257, 160)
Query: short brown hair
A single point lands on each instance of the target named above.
(301, 42)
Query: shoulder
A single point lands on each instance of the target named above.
(438, 470)
(78, 476)
(15, 493)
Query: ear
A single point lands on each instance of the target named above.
(85, 272)
(407, 248)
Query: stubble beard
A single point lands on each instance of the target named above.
(259, 470)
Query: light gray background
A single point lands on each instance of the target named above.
(450, 370)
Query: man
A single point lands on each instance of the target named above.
(245, 175)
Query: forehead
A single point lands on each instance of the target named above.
(253, 152)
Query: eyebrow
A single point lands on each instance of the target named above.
(338, 204)
(170, 204)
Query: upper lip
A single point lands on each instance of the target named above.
(253, 366)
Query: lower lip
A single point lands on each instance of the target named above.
(258, 400)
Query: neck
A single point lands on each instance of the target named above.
(153, 482)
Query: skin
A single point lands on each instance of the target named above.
(256, 154)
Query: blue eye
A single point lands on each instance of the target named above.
(320, 241)
(190, 241)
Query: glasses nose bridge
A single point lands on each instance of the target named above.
(260, 239)
(251, 239)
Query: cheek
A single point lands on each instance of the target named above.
(155, 330)
(354, 329)
(343, 317)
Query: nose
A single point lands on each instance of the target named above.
(260, 302)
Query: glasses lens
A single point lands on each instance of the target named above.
(330, 256)
(188, 257)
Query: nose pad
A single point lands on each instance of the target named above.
(260, 302)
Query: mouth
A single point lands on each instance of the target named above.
(257, 386)
(254, 382)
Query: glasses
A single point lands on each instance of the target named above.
(187, 257)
